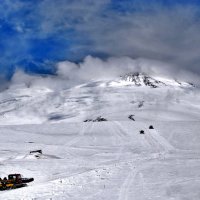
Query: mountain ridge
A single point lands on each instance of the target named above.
(142, 79)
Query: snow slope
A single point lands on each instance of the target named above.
(114, 99)
(108, 159)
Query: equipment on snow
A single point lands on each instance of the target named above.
(141, 132)
(151, 127)
(14, 181)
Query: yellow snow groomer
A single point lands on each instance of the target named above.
(14, 181)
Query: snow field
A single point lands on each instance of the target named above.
(103, 160)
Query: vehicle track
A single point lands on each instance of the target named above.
(124, 190)
(161, 140)
(80, 134)
(156, 142)
(122, 135)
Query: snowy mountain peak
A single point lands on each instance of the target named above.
(141, 79)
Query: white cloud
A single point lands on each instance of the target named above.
(70, 74)
(157, 33)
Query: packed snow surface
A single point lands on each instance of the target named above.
(91, 142)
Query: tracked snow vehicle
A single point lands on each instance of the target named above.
(14, 181)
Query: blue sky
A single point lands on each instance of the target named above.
(35, 34)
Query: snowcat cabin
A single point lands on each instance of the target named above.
(15, 177)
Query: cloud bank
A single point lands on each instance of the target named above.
(70, 74)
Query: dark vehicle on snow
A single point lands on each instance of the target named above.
(141, 132)
(14, 181)
(151, 127)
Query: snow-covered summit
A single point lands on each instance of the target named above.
(141, 79)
